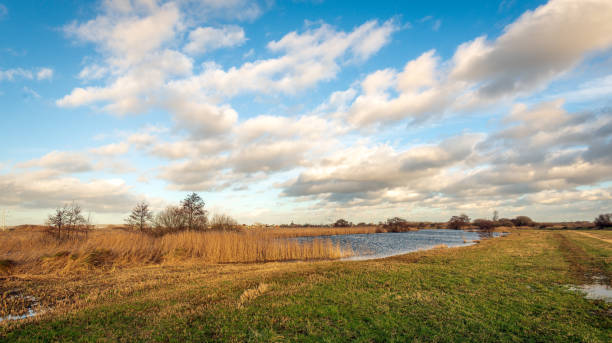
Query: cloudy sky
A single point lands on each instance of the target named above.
(307, 111)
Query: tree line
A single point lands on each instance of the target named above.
(189, 215)
(69, 221)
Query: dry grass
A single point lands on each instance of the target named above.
(252, 293)
(37, 251)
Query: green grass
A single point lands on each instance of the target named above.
(512, 289)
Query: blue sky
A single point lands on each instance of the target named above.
(307, 111)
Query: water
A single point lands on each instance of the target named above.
(595, 292)
(379, 245)
(30, 310)
(598, 290)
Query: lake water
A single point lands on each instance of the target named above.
(379, 245)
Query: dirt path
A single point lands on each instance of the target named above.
(594, 236)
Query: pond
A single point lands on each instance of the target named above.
(379, 245)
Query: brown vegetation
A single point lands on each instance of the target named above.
(39, 252)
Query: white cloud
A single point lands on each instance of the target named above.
(14, 73)
(48, 189)
(44, 73)
(306, 59)
(113, 149)
(67, 162)
(205, 39)
(3, 11)
(136, 90)
(536, 49)
(128, 35)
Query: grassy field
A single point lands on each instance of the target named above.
(502, 290)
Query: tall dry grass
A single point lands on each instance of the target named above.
(36, 248)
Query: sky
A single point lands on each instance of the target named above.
(307, 111)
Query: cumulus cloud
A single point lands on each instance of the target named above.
(129, 31)
(62, 161)
(258, 147)
(307, 58)
(149, 74)
(363, 172)
(113, 149)
(540, 150)
(539, 46)
(536, 49)
(48, 189)
(205, 39)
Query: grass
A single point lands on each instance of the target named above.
(502, 290)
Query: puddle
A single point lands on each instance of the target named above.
(31, 313)
(599, 290)
(33, 303)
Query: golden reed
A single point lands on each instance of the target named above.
(115, 247)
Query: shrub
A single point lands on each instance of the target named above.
(341, 223)
(222, 222)
(603, 220)
(458, 222)
(505, 222)
(485, 224)
(523, 221)
(396, 224)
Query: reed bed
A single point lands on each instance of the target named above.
(118, 247)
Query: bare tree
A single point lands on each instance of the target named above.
(57, 220)
(195, 214)
(171, 219)
(70, 219)
(141, 217)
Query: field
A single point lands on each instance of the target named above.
(507, 289)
